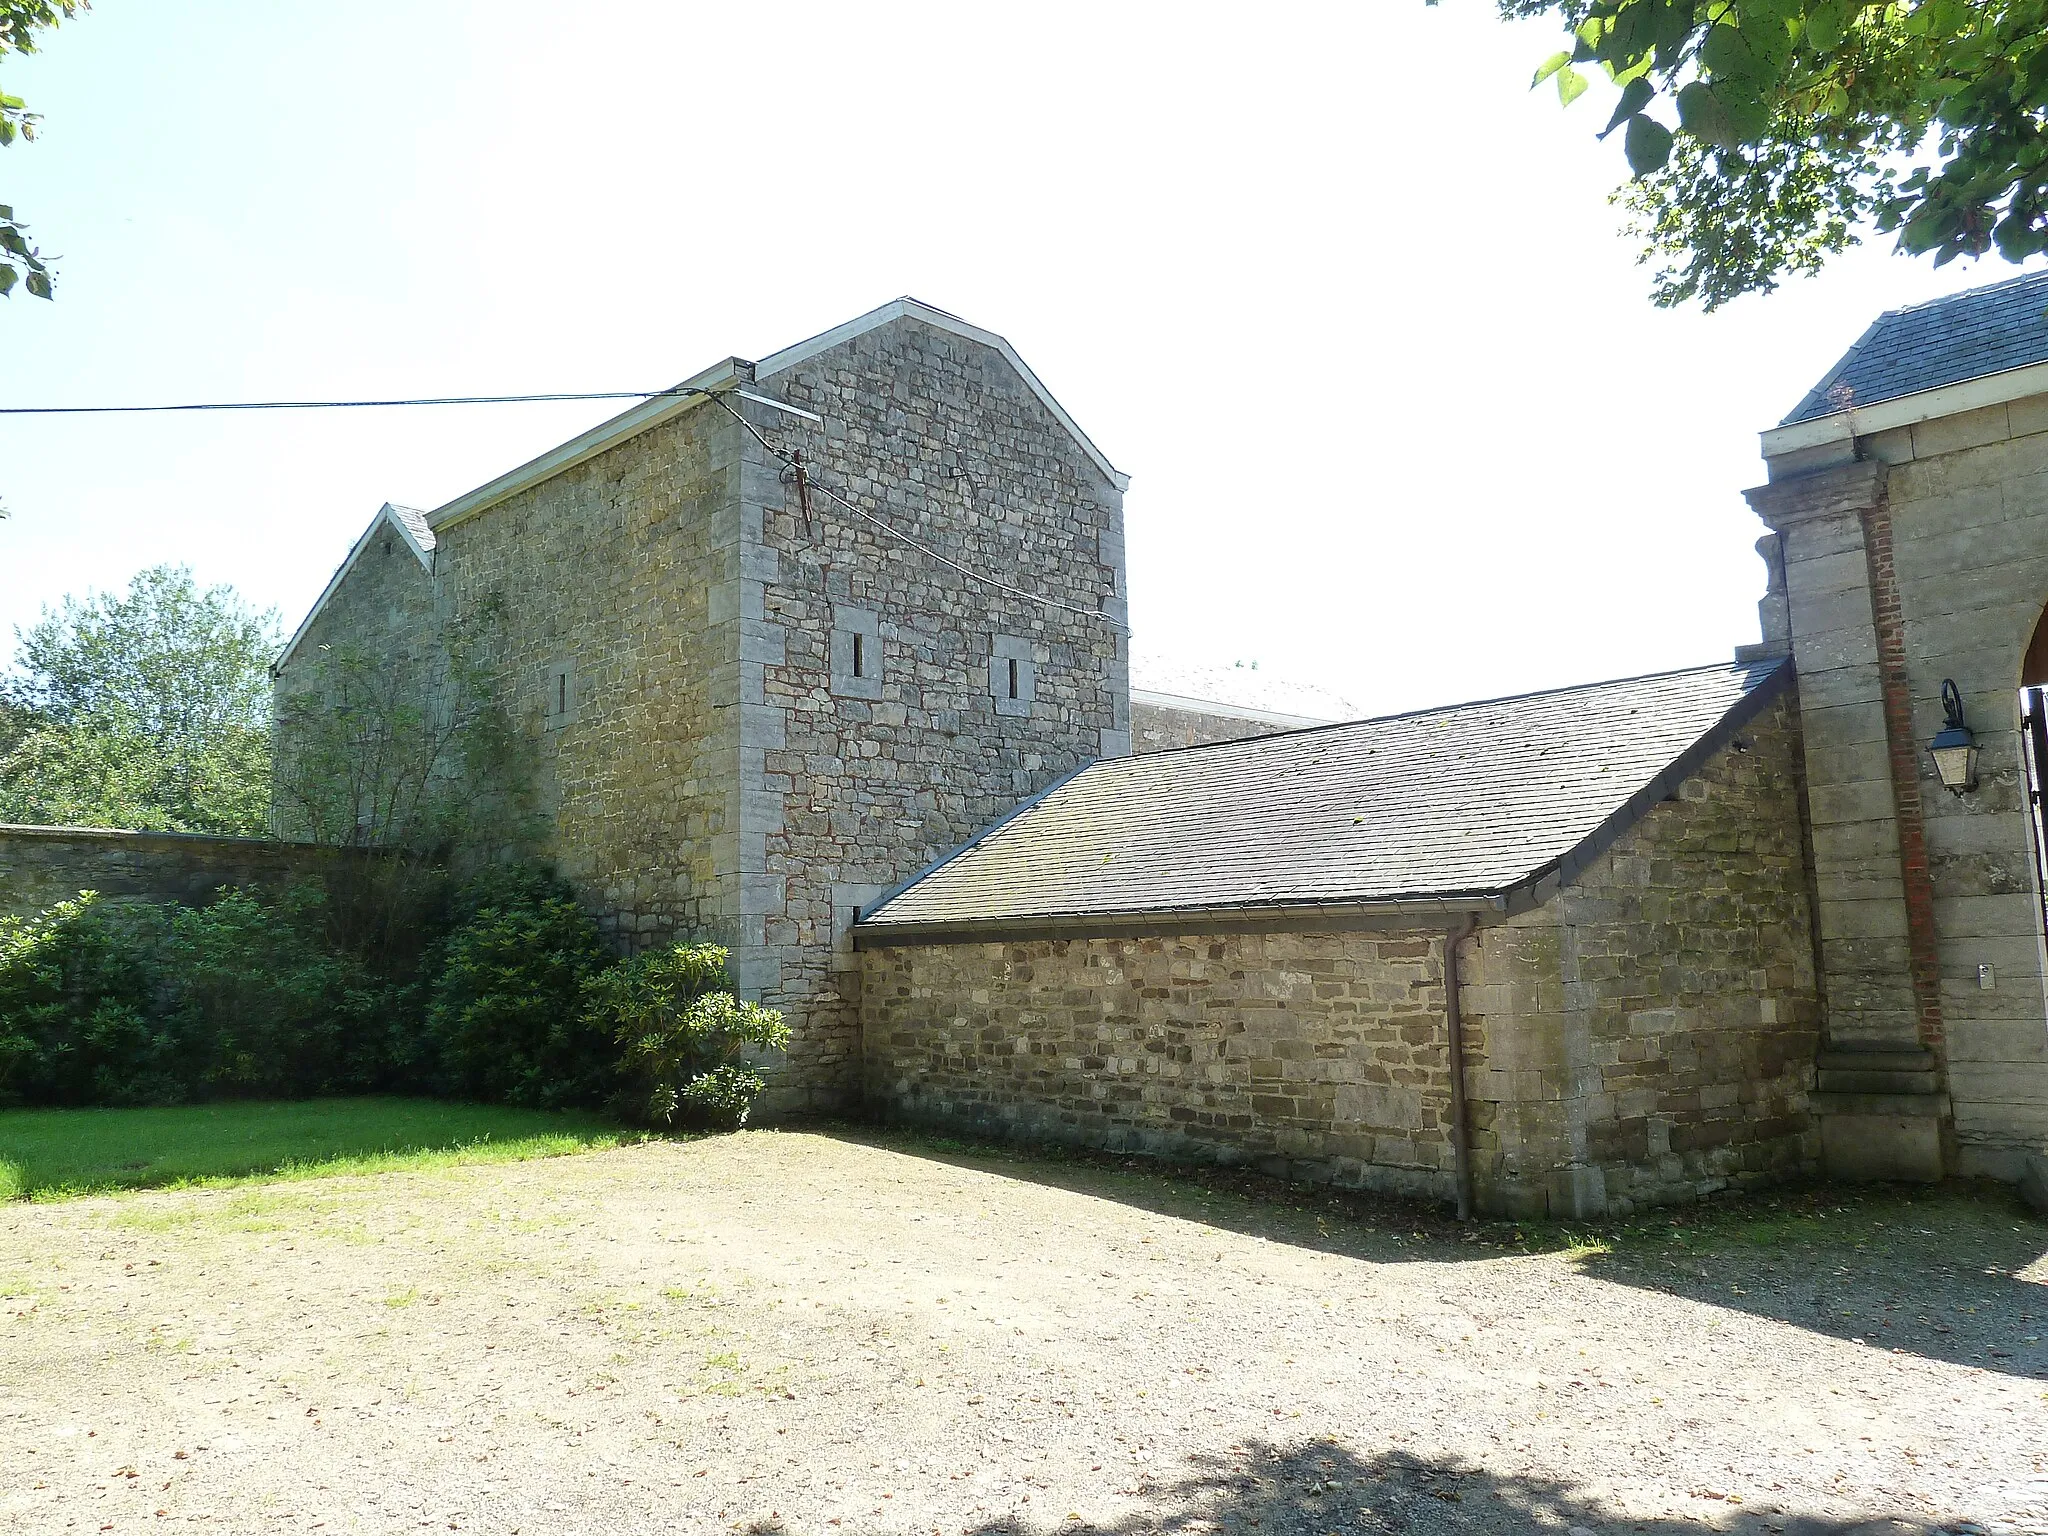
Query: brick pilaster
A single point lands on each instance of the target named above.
(1903, 750)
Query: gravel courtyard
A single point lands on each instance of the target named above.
(802, 1332)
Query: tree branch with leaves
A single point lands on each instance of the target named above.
(20, 262)
(1764, 135)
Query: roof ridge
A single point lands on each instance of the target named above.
(1968, 293)
(1765, 666)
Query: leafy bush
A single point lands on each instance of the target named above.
(253, 996)
(78, 1023)
(505, 1011)
(263, 1005)
(681, 1034)
(158, 1005)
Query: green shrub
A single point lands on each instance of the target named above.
(265, 1006)
(132, 1004)
(680, 1036)
(78, 1017)
(255, 997)
(505, 1007)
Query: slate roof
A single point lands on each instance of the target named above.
(1470, 804)
(1944, 341)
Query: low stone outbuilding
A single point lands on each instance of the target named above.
(1237, 952)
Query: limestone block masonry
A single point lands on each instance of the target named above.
(1645, 1035)
(715, 774)
(1909, 556)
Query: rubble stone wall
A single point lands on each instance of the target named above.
(1161, 727)
(849, 786)
(41, 866)
(1647, 1035)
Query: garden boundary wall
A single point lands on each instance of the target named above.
(41, 866)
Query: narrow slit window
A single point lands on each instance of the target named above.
(558, 704)
(1012, 679)
(857, 660)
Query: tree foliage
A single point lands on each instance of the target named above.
(148, 710)
(410, 754)
(20, 20)
(1762, 135)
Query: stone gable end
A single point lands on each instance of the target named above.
(660, 624)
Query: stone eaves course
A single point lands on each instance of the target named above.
(1477, 804)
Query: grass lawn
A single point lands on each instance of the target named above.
(54, 1154)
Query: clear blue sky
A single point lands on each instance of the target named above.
(1344, 296)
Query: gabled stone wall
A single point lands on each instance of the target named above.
(848, 790)
(1646, 1035)
(1649, 1032)
(664, 634)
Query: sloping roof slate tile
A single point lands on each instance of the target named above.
(1927, 346)
(1474, 799)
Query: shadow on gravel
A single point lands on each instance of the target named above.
(1954, 1274)
(1313, 1488)
(1957, 1273)
(1358, 1224)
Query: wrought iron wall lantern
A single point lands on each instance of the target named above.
(1954, 749)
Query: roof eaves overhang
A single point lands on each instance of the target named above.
(686, 396)
(1286, 917)
(1907, 410)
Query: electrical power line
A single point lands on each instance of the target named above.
(340, 405)
(717, 396)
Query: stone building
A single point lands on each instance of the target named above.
(825, 657)
(1240, 951)
(1908, 503)
(752, 700)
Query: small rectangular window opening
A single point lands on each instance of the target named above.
(1013, 677)
(561, 693)
(860, 655)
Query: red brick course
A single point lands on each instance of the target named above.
(1887, 619)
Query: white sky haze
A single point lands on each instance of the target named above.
(1342, 295)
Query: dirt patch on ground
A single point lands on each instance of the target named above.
(798, 1332)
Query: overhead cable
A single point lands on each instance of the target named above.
(679, 390)
(341, 405)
